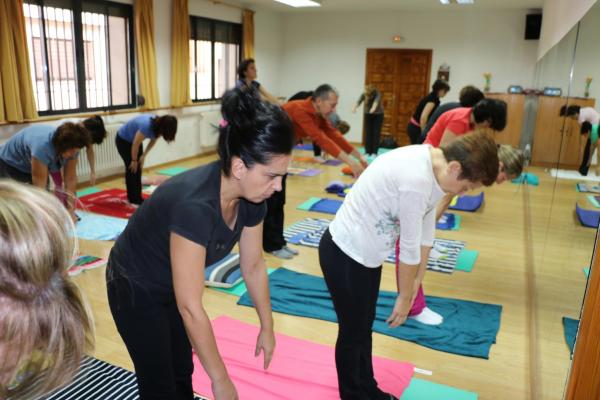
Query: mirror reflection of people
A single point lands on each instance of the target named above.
(373, 118)
(587, 117)
(45, 326)
(35, 152)
(425, 108)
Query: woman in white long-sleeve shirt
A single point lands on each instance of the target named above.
(395, 198)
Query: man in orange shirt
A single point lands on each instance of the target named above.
(310, 119)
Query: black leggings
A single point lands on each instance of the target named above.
(273, 224)
(373, 124)
(133, 180)
(414, 133)
(8, 171)
(155, 337)
(585, 162)
(354, 290)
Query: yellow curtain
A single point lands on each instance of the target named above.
(248, 28)
(17, 101)
(180, 54)
(146, 56)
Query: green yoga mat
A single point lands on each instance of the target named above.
(457, 220)
(309, 203)
(382, 150)
(86, 191)
(420, 389)
(586, 271)
(240, 288)
(172, 171)
(592, 199)
(466, 260)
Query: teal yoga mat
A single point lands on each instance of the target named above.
(172, 171)
(466, 260)
(86, 191)
(420, 389)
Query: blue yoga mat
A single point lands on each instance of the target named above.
(468, 203)
(570, 326)
(326, 206)
(589, 218)
(469, 328)
(307, 146)
(98, 227)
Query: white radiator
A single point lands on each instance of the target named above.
(108, 161)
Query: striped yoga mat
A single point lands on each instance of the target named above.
(308, 232)
(98, 380)
(225, 273)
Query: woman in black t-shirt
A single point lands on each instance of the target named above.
(425, 109)
(155, 274)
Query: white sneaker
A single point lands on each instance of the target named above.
(290, 250)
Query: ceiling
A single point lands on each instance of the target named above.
(389, 5)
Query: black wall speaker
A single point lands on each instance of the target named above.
(533, 25)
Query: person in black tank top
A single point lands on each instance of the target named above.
(425, 108)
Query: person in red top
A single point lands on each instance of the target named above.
(488, 113)
(310, 120)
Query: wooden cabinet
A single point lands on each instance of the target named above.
(515, 107)
(557, 141)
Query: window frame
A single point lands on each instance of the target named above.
(194, 19)
(77, 9)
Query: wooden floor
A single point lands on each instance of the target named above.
(531, 249)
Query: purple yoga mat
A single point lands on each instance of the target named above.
(333, 162)
(311, 172)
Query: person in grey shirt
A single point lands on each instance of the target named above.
(373, 118)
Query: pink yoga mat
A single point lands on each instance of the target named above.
(299, 370)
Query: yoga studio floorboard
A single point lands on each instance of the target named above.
(531, 252)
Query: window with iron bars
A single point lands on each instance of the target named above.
(81, 55)
(214, 57)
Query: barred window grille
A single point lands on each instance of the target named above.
(81, 55)
(214, 57)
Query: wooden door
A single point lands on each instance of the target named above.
(402, 77)
(515, 107)
(381, 72)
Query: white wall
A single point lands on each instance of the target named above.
(587, 59)
(268, 50)
(559, 17)
(331, 48)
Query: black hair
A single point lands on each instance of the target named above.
(241, 71)
(302, 95)
(469, 96)
(586, 127)
(491, 110)
(252, 129)
(323, 91)
(95, 127)
(569, 111)
(165, 126)
(440, 84)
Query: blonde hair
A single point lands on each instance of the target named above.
(512, 160)
(45, 327)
